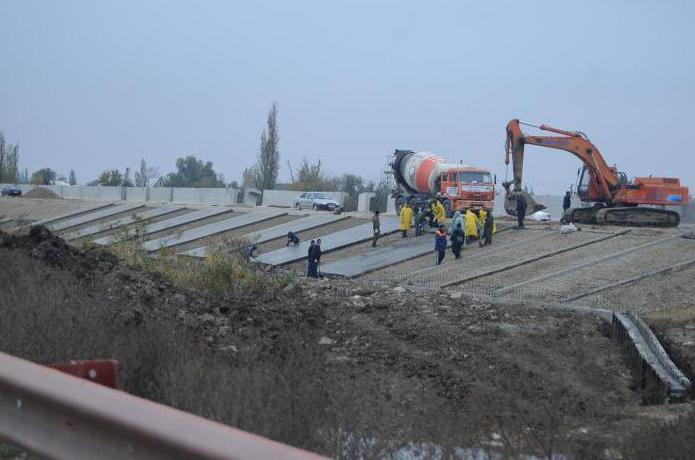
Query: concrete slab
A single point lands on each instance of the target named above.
(210, 229)
(279, 231)
(330, 242)
(75, 213)
(171, 223)
(131, 219)
(92, 216)
(375, 259)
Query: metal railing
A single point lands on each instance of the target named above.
(57, 415)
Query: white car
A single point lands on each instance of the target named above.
(315, 201)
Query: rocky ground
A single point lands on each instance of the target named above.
(339, 367)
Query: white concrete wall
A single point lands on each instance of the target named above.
(161, 194)
(390, 205)
(363, 201)
(204, 195)
(136, 194)
(251, 197)
(285, 198)
(226, 196)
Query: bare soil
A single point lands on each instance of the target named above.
(25, 210)
(43, 193)
(342, 368)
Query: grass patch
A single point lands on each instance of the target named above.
(224, 272)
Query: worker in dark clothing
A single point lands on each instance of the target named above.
(292, 239)
(457, 239)
(376, 228)
(566, 201)
(427, 218)
(566, 204)
(317, 257)
(440, 244)
(520, 211)
(247, 252)
(311, 271)
(488, 229)
(420, 221)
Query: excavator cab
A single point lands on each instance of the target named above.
(583, 184)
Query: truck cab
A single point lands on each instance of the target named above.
(463, 188)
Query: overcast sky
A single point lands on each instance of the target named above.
(94, 85)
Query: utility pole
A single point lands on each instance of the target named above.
(291, 174)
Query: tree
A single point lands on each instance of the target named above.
(142, 177)
(382, 190)
(9, 158)
(73, 177)
(112, 177)
(312, 177)
(352, 185)
(126, 179)
(43, 176)
(192, 172)
(23, 177)
(11, 172)
(248, 177)
(2, 157)
(268, 164)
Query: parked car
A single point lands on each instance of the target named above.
(11, 191)
(315, 201)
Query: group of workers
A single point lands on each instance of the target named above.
(463, 228)
(313, 254)
(420, 217)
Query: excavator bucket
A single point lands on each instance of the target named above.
(510, 201)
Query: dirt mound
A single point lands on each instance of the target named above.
(42, 192)
(370, 370)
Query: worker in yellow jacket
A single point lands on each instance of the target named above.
(470, 228)
(481, 217)
(438, 212)
(406, 219)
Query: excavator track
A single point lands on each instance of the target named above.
(638, 217)
(581, 215)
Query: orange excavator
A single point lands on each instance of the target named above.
(616, 201)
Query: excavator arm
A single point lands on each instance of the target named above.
(576, 143)
(622, 202)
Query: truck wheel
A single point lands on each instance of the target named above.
(448, 208)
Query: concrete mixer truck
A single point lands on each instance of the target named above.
(422, 176)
